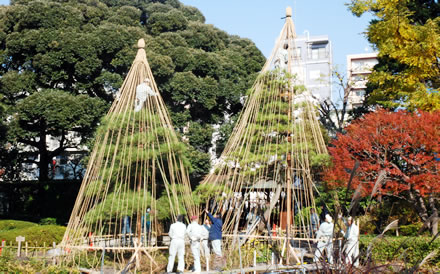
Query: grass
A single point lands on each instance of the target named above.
(10, 264)
(6, 225)
(34, 233)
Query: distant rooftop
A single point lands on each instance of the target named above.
(313, 38)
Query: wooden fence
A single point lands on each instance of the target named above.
(27, 249)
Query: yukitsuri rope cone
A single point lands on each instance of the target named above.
(137, 158)
(269, 161)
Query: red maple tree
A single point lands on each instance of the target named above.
(403, 144)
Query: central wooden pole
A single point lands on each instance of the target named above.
(289, 202)
(290, 36)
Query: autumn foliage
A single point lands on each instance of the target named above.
(406, 145)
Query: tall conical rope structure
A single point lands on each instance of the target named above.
(267, 164)
(137, 157)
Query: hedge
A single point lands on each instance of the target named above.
(33, 233)
(389, 249)
(6, 225)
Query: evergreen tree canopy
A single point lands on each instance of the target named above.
(86, 47)
(275, 150)
(70, 118)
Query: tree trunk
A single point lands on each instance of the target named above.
(419, 203)
(434, 216)
(43, 164)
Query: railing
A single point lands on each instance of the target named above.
(27, 249)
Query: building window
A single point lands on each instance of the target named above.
(363, 65)
(359, 78)
(360, 93)
(318, 51)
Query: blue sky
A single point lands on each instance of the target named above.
(259, 20)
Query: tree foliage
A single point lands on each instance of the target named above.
(271, 139)
(405, 145)
(86, 47)
(407, 35)
(72, 119)
(154, 145)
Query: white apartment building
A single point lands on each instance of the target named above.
(315, 59)
(359, 66)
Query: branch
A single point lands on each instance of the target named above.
(30, 161)
(325, 111)
(405, 177)
(28, 142)
(61, 148)
(393, 195)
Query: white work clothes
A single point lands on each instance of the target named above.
(195, 249)
(194, 232)
(281, 59)
(205, 244)
(324, 237)
(351, 247)
(217, 247)
(177, 246)
(177, 231)
(143, 90)
(205, 232)
(206, 251)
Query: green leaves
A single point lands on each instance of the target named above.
(173, 20)
(413, 249)
(205, 37)
(55, 112)
(16, 85)
(87, 47)
(407, 37)
(126, 205)
(69, 118)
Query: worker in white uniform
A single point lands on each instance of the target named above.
(194, 233)
(324, 237)
(281, 58)
(177, 245)
(351, 247)
(205, 244)
(143, 90)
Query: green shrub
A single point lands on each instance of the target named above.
(10, 264)
(367, 225)
(48, 221)
(6, 225)
(38, 234)
(410, 230)
(387, 249)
